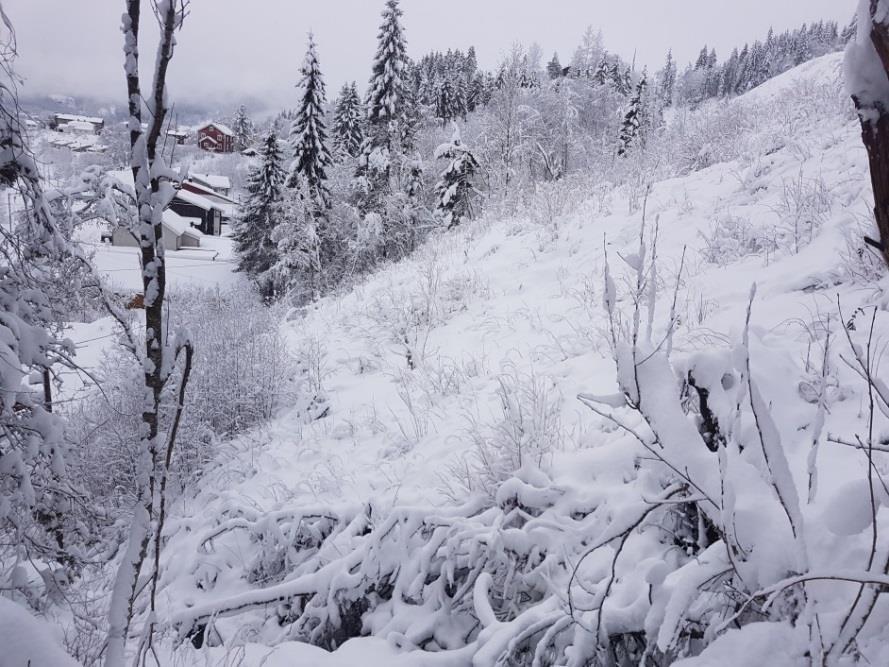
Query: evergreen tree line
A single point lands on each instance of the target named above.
(450, 85)
(753, 64)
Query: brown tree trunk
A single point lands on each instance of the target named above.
(875, 135)
(155, 459)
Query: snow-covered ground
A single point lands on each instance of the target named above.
(418, 365)
(211, 265)
(28, 641)
(490, 333)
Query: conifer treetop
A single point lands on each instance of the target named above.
(308, 135)
(386, 91)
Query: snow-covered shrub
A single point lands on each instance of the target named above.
(414, 425)
(721, 439)
(523, 433)
(697, 139)
(410, 314)
(242, 374)
(311, 356)
(813, 99)
(427, 578)
(732, 238)
(804, 206)
(551, 201)
(859, 261)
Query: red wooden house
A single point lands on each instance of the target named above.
(216, 138)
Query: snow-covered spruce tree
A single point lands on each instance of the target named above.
(243, 128)
(601, 73)
(257, 253)
(668, 80)
(385, 100)
(308, 136)
(867, 80)
(477, 93)
(411, 118)
(631, 130)
(454, 189)
(348, 118)
(554, 67)
(445, 101)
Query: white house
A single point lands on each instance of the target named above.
(178, 233)
(66, 122)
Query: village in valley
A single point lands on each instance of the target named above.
(197, 222)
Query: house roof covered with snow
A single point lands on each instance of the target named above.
(72, 118)
(225, 129)
(125, 178)
(181, 225)
(82, 125)
(213, 180)
(200, 201)
(206, 191)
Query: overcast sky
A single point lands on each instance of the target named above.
(253, 48)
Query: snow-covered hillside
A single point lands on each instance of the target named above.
(445, 373)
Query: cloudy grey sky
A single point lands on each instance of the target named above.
(253, 48)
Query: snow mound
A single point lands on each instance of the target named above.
(754, 645)
(28, 641)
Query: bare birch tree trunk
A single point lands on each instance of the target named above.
(154, 190)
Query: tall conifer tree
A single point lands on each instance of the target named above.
(631, 128)
(260, 214)
(386, 94)
(308, 136)
(243, 128)
(347, 121)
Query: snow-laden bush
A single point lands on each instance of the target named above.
(242, 373)
(746, 129)
(525, 431)
(861, 262)
(551, 201)
(732, 238)
(408, 313)
(699, 138)
(803, 208)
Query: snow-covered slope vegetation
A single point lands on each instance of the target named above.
(625, 423)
